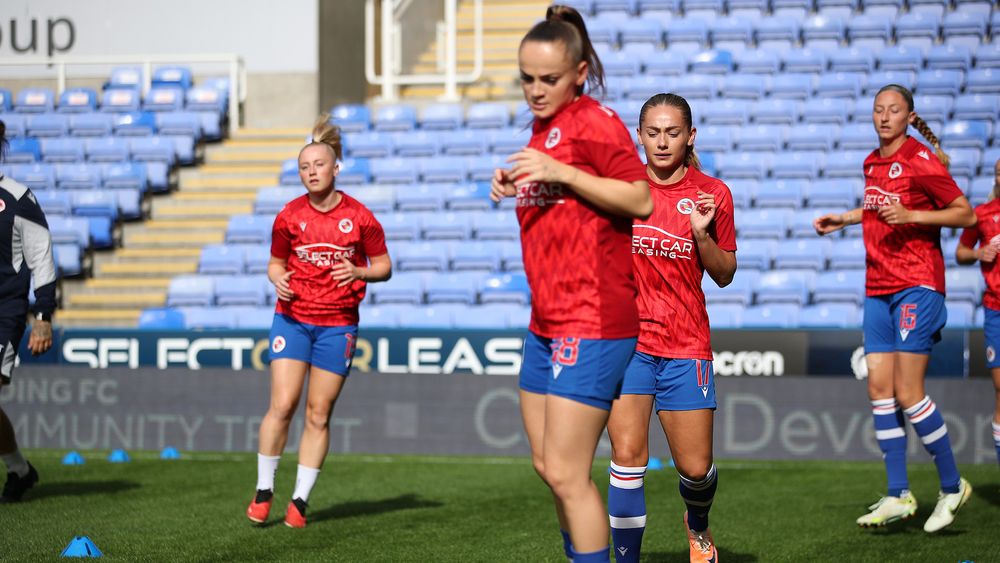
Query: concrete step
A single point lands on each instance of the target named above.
(288, 135)
(149, 268)
(199, 239)
(98, 317)
(178, 210)
(215, 195)
(259, 144)
(238, 168)
(474, 93)
(249, 181)
(123, 284)
(118, 300)
(186, 224)
(155, 253)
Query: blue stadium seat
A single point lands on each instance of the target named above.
(963, 28)
(964, 162)
(135, 124)
(724, 315)
(620, 63)
(174, 76)
(6, 100)
(36, 176)
(354, 171)
(964, 283)
(129, 202)
(731, 33)
(845, 163)
(250, 229)
(763, 137)
(946, 82)
(841, 285)
(78, 176)
(655, 64)
(438, 317)
(120, 100)
(483, 317)
(858, 136)
(208, 318)
(222, 259)
(603, 33)
(505, 288)
(253, 318)
(955, 57)
(795, 9)
(803, 253)
(16, 123)
(780, 193)
(270, 200)
(164, 98)
(475, 256)
(657, 8)
(394, 171)
(180, 123)
(400, 226)
(47, 125)
(867, 31)
(831, 193)
(511, 259)
(257, 257)
(34, 100)
(715, 139)
(983, 81)
(378, 317)
(508, 141)
(77, 100)
(988, 56)
(54, 202)
(932, 107)
(961, 314)
(107, 149)
(161, 318)
(23, 150)
(801, 223)
(415, 144)
(840, 85)
(153, 150)
(712, 62)
(125, 77)
(901, 57)
(70, 230)
(727, 112)
(763, 223)
(351, 118)
(396, 117)
(687, 35)
(66, 149)
(787, 286)
(887, 9)
(929, 8)
(739, 292)
(481, 168)
(441, 116)
(420, 256)
(95, 203)
(815, 136)
(697, 87)
(446, 226)
(369, 144)
(487, 115)
(191, 291)
(795, 86)
(444, 169)
(917, 29)
(126, 175)
(804, 60)
(495, 225)
(742, 190)
(705, 9)
(403, 287)
(799, 164)
(91, 125)
(851, 59)
(972, 134)
(830, 315)
(878, 79)
(742, 165)
(242, 290)
(847, 253)
(642, 31)
(777, 34)
(778, 315)
(465, 142)
(453, 287)
(757, 61)
(977, 106)
(473, 196)
(742, 86)
(641, 88)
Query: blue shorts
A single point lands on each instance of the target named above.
(678, 384)
(906, 321)
(991, 331)
(586, 371)
(326, 347)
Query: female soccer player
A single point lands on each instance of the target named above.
(909, 196)
(986, 233)
(326, 247)
(690, 231)
(578, 184)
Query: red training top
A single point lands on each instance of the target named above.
(987, 231)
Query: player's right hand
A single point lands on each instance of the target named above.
(284, 291)
(829, 223)
(501, 186)
(987, 253)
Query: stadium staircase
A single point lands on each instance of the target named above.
(169, 243)
(504, 24)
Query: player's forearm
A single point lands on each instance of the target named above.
(955, 217)
(376, 272)
(276, 270)
(720, 264)
(852, 217)
(965, 255)
(628, 199)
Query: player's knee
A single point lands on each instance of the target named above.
(539, 464)
(282, 410)
(630, 455)
(318, 419)
(694, 470)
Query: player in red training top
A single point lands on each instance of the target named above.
(986, 233)
(690, 232)
(578, 185)
(909, 196)
(326, 247)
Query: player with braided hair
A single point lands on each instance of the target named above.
(326, 247)
(909, 196)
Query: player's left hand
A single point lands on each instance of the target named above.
(346, 272)
(896, 214)
(41, 337)
(531, 165)
(704, 213)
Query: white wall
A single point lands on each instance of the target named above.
(272, 36)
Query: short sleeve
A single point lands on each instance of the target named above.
(725, 228)
(612, 153)
(939, 185)
(281, 244)
(970, 236)
(373, 239)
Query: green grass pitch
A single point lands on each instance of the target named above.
(407, 508)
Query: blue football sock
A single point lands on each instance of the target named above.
(627, 511)
(927, 421)
(698, 496)
(891, 435)
(600, 556)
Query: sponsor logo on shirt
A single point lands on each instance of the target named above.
(322, 254)
(895, 170)
(555, 135)
(685, 206)
(345, 226)
(877, 198)
(654, 241)
(540, 194)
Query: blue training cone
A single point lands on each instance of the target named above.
(119, 456)
(670, 462)
(170, 453)
(654, 464)
(81, 546)
(73, 458)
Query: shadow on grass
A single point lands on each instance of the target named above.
(365, 508)
(77, 488)
(990, 492)
(726, 555)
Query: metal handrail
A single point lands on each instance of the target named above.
(237, 71)
(390, 78)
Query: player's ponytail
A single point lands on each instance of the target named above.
(564, 24)
(691, 156)
(3, 141)
(326, 133)
(918, 123)
(996, 185)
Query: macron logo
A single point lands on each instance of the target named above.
(904, 332)
(622, 550)
(704, 390)
(556, 370)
